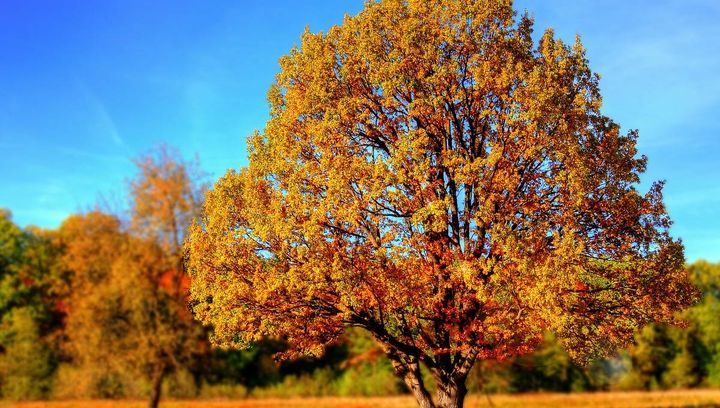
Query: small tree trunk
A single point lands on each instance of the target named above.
(451, 395)
(156, 386)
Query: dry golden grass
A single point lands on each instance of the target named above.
(692, 398)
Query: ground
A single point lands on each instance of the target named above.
(690, 398)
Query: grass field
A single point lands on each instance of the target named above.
(693, 398)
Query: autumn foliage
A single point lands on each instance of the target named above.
(431, 175)
(126, 284)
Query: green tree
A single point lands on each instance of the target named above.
(650, 356)
(30, 314)
(26, 365)
(549, 368)
(681, 357)
(13, 292)
(704, 317)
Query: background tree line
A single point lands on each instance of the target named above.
(98, 308)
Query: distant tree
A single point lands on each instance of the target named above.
(683, 371)
(549, 368)
(93, 243)
(15, 287)
(680, 357)
(704, 320)
(30, 319)
(26, 365)
(252, 368)
(11, 238)
(129, 288)
(167, 195)
(649, 356)
(431, 176)
(162, 336)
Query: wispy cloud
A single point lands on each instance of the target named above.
(104, 122)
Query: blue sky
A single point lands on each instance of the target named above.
(85, 86)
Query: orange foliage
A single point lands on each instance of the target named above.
(430, 175)
(127, 285)
(168, 280)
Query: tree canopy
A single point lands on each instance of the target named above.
(128, 283)
(431, 175)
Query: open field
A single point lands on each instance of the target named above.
(693, 398)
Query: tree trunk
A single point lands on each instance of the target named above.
(450, 381)
(451, 388)
(419, 392)
(451, 395)
(156, 384)
(408, 369)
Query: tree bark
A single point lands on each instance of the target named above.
(451, 387)
(451, 395)
(450, 379)
(408, 368)
(156, 386)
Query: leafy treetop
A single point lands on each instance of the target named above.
(432, 176)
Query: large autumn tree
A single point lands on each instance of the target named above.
(431, 175)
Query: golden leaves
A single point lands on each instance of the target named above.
(430, 175)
